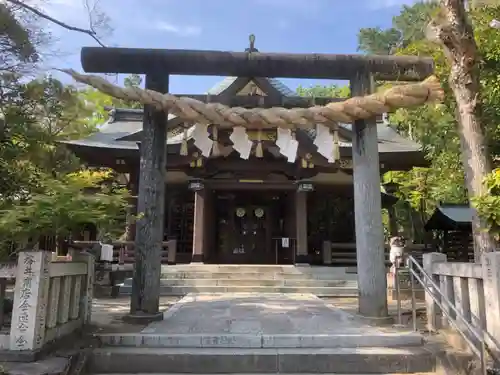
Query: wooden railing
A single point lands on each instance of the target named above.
(344, 254)
(472, 288)
(51, 299)
(123, 251)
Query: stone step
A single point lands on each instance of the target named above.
(232, 267)
(174, 274)
(126, 289)
(259, 341)
(245, 275)
(374, 360)
(421, 373)
(255, 282)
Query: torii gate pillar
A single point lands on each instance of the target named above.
(372, 281)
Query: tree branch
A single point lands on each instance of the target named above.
(39, 13)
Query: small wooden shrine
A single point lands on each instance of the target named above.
(452, 224)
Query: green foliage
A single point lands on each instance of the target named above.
(488, 204)
(61, 206)
(38, 115)
(99, 103)
(14, 37)
(407, 27)
(374, 40)
(332, 91)
(44, 189)
(435, 126)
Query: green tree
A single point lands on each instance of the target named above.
(317, 91)
(60, 207)
(407, 27)
(436, 126)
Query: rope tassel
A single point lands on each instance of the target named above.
(215, 138)
(336, 146)
(184, 144)
(259, 150)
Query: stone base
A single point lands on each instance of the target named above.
(48, 366)
(301, 259)
(16, 356)
(142, 318)
(41, 354)
(197, 258)
(260, 361)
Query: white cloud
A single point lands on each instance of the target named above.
(168, 27)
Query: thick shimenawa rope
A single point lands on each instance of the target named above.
(195, 111)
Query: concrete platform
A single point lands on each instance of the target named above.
(261, 333)
(253, 320)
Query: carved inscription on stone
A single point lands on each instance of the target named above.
(30, 296)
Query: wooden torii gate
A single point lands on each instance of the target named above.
(360, 70)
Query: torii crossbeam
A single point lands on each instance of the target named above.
(253, 64)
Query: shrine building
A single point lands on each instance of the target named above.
(266, 209)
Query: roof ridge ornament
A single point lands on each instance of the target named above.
(251, 48)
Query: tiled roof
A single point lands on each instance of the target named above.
(451, 217)
(228, 81)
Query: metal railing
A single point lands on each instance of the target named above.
(460, 323)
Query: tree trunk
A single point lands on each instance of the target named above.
(454, 31)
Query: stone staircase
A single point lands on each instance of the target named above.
(334, 361)
(259, 334)
(179, 280)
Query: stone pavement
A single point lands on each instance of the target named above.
(256, 313)
(251, 333)
(257, 320)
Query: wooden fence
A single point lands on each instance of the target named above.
(123, 251)
(474, 290)
(344, 254)
(51, 299)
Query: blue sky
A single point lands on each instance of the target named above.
(320, 26)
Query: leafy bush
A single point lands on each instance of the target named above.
(61, 206)
(488, 204)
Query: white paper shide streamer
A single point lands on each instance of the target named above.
(287, 144)
(324, 141)
(202, 140)
(241, 143)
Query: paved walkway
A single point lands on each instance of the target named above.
(108, 313)
(257, 314)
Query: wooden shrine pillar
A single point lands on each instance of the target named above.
(301, 227)
(372, 281)
(199, 232)
(150, 206)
